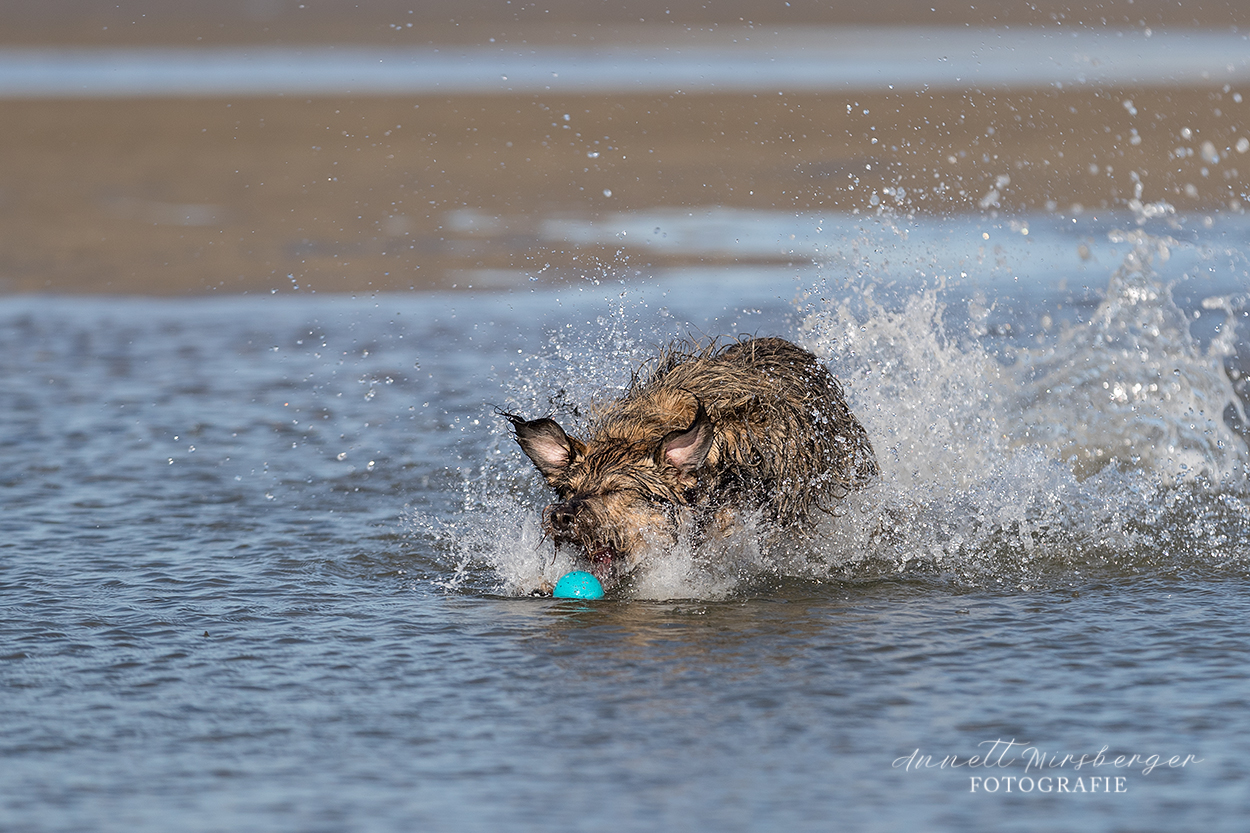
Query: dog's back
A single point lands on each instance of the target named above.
(783, 436)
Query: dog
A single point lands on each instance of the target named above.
(701, 435)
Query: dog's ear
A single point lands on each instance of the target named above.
(544, 442)
(686, 450)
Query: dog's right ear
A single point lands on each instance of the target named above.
(544, 442)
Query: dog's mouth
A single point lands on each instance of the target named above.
(602, 560)
(602, 564)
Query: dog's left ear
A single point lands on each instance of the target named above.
(545, 443)
(686, 450)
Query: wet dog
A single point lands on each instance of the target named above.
(700, 436)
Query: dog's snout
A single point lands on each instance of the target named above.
(564, 515)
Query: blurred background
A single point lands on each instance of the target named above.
(176, 148)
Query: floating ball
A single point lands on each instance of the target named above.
(578, 584)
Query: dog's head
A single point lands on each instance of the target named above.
(617, 495)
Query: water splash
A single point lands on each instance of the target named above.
(1131, 387)
(1093, 450)
(1100, 445)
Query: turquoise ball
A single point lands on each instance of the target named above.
(578, 585)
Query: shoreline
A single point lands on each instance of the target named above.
(358, 191)
(172, 197)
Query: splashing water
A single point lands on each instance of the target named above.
(1094, 450)
(1102, 446)
(1142, 392)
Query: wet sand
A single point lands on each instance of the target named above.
(167, 196)
(170, 197)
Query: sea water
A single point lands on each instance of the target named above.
(265, 560)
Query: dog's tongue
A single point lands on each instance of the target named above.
(601, 564)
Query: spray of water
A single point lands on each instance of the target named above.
(1088, 451)
(1101, 447)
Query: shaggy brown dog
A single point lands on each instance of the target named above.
(707, 433)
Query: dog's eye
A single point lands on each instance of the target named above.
(658, 500)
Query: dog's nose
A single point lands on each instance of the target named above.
(563, 515)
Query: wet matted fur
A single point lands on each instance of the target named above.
(701, 434)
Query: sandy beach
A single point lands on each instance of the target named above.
(174, 195)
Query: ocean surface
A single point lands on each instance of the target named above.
(265, 559)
